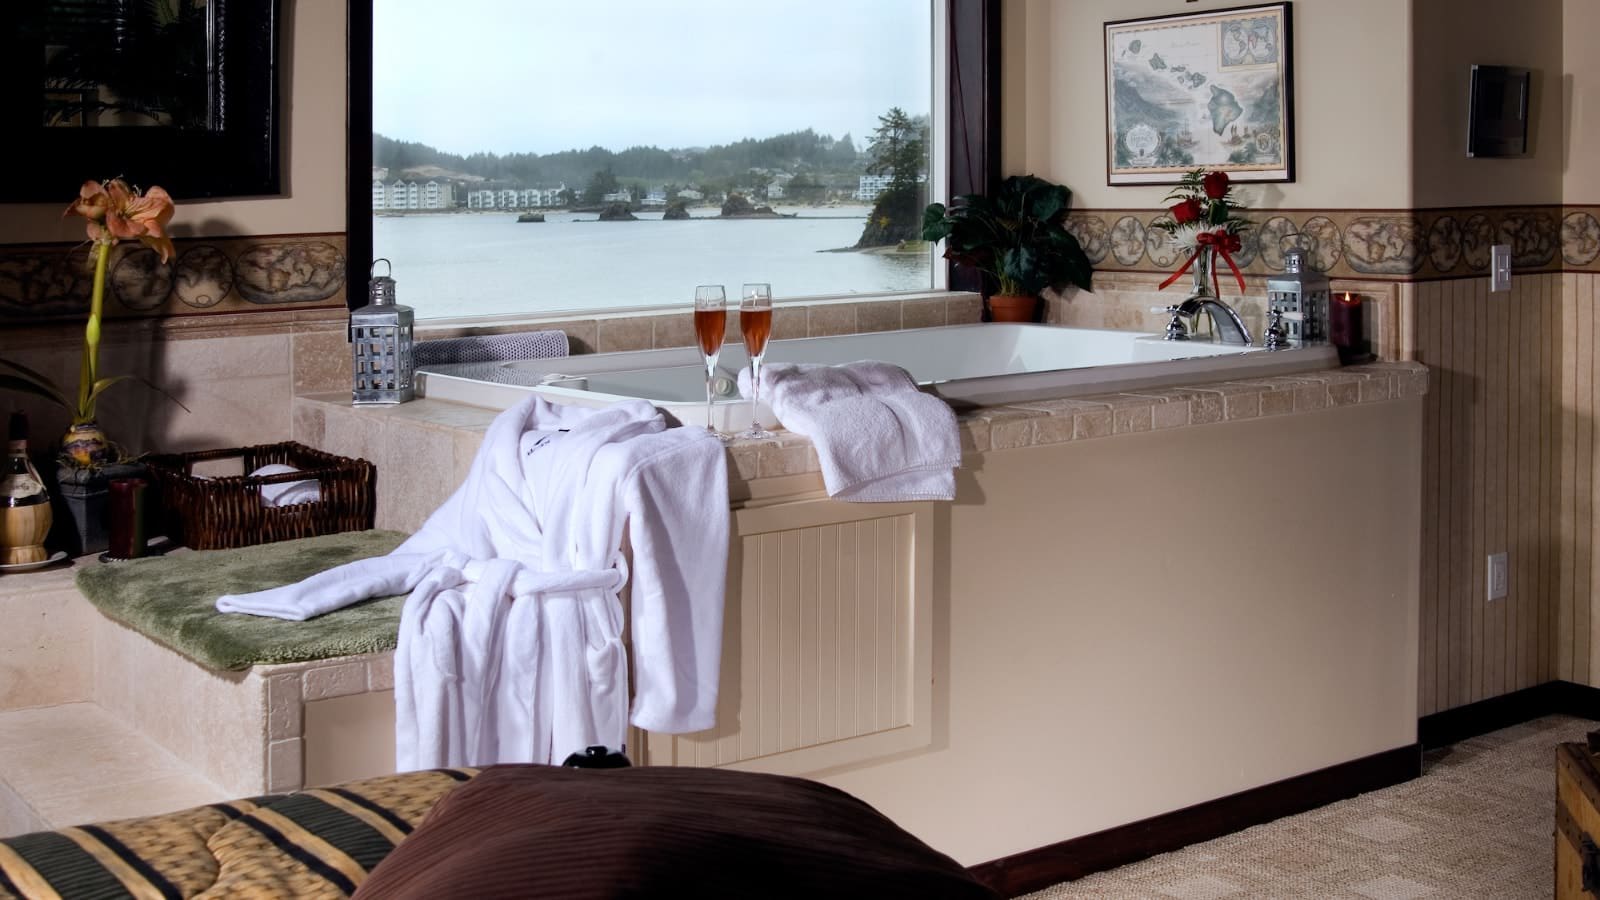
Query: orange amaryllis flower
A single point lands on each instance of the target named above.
(91, 203)
(118, 212)
(142, 217)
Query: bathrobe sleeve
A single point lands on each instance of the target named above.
(677, 508)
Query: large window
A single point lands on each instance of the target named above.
(534, 158)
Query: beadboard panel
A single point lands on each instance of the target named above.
(1509, 465)
(825, 649)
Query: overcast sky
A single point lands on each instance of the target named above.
(545, 75)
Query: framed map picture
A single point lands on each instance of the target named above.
(1210, 90)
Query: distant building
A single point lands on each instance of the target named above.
(483, 199)
(438, 195)
(656, 197)
(622, 196)
(873, 185)
(506, 198)
(691, 195)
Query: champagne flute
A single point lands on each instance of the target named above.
(710, 327)
(755, 320)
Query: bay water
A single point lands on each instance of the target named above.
(488, 263)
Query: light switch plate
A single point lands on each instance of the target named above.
(1497, 576)
(1499, 268)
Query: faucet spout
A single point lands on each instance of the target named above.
(1225, 321)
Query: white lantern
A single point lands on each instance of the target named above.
(380, 344)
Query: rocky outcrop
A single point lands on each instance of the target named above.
(737, 207)
(677, 209)
(617, 212)
(531, 217)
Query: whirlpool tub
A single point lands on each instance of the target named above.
(966, 365)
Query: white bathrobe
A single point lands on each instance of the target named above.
(511, 639)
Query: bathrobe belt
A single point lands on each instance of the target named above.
(530, 582)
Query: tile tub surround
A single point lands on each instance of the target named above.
(659, 329)
(1125, 300)
(441, 437)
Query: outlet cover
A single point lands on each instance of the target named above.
(1497, 576)
(1499, 268)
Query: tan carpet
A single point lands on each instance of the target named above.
(1477, 824)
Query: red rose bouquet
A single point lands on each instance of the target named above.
(1204, 220)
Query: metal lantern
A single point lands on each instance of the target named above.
(1301, 295)
(380, 343)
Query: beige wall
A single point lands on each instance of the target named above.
(1352, 107)
(1448, 36)
(1581, 101)
(314, 122)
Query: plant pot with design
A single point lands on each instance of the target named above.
(88, 461)
(1018, 237)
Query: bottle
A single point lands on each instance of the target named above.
(24, 505)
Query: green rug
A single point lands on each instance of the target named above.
(172, 600)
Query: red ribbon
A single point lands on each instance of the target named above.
(1218, 243)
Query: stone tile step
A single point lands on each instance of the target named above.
(75, 763)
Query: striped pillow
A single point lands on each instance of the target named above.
(317, 843)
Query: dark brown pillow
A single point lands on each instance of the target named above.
(551, 832)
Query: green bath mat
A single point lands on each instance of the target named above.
(172, 600)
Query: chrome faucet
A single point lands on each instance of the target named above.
(1225, 322)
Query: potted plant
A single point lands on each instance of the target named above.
(1018, 237)
(88, 461)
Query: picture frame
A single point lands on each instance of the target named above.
(1211, 90)
(67, 125)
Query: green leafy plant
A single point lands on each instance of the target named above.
(1018, 236)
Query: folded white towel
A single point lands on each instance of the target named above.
(879, 438)
(287, 493)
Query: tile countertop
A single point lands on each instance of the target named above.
(1012, 425)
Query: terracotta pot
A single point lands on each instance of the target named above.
(1011, 308)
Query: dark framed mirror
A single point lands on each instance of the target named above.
(180, 93)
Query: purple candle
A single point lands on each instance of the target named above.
(127, 539)
(1344, 326)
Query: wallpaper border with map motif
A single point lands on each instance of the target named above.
(1397, 245)
(206, 276)
(306, 271)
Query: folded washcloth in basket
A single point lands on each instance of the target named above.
(879, 439)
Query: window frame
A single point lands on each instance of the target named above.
(970, 163)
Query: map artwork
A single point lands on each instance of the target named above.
(1194, 91)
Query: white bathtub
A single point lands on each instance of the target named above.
(967, 365)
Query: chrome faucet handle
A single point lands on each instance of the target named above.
(1176, 330)
(1274, 338)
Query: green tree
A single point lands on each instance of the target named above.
(898, 149)
(600, 184)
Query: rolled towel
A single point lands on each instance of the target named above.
(878, 437)
(287, 493)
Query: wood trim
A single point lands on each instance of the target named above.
(973, 142)
(358, 150)
(1451, 726)
(1034, 870)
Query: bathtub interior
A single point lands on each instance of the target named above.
(967, 365)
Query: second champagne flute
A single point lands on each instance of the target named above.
(710, 327)
(755, 320)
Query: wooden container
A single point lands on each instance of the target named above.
(22, 534)
(1578, 820)
(227, 511)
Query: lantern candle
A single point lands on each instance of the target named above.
(1344, 327)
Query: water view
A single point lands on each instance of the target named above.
(472, 263)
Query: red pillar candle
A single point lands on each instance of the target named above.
(127, 539)
(1344, 326)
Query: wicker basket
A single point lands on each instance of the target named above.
(222, 512)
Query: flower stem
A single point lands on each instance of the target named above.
(89, 366)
